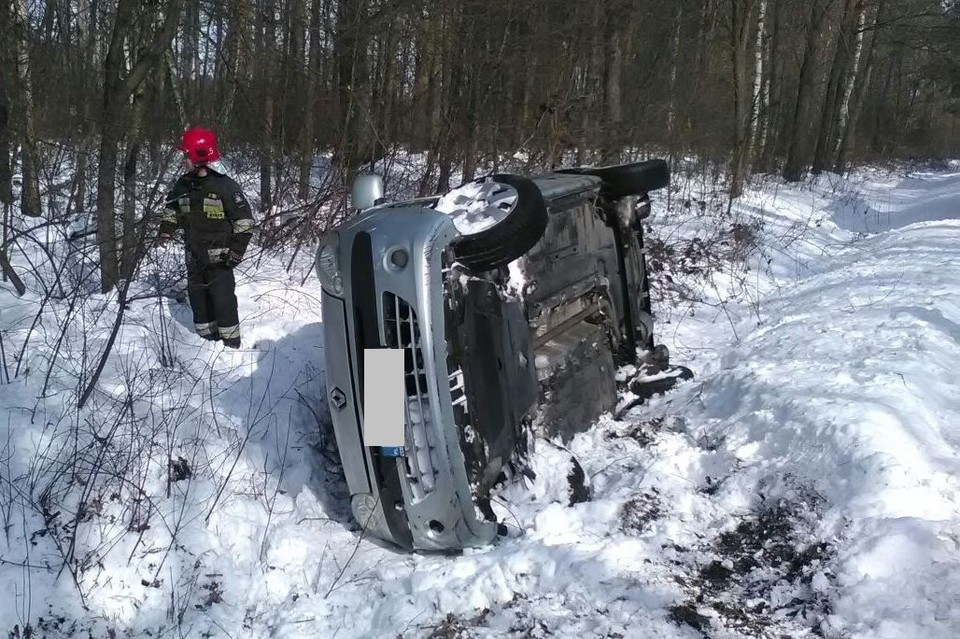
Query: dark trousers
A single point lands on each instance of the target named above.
(211, 290)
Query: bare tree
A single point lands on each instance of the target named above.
(857, 82)
(798, 122)
(313, 82)
(755, 84)
(741, 26)
(7, 73)
(761, 86)
(29, 158)
(674, 68)
(615, 33)
(119, 87)
(833, 97)
(353, 82)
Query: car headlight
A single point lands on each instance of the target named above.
(328, 264)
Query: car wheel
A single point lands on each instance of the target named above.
(629, 179)
(510, 237)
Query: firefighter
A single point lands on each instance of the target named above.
(217, 226)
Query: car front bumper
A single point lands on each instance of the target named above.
(421, 499)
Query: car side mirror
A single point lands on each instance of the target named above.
(367, 191)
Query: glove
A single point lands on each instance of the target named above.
(231, 259)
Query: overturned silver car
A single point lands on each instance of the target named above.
(508, 329)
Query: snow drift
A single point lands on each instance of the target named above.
(804, 484)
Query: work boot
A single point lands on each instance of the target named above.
(231, 342)
(213, 337)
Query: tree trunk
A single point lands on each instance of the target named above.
(106, 224)
(435, 89)
(769, 115)
(288, 104)
(6, 174)
(796, 152)
(130, 246)
(353, 78)
(452, 80)
(741, 24)
(761, 97)
(7, 73)
(470, 159)
(418, 128)
(88, 126)
(307, 133)
(9, 274)
(389, 84)
(118, 88)
(826, 133)
(856, 89)
(674, 66)
(191, 44)
(266, 155)
(613, 87)
(702, 64)
(237, 33)
(266, 38)
(30, 160)
(176, 92)
(110, 135)
(853, 73)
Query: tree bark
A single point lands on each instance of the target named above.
(5, 267)
(856, 88)
(702, 64)
(88, 125)
(118, 88)
(130, 246)
(761, 86)
(796, 152)
(674, 66)
(826, 133)
(851, 81)
(176, 92)
(191, 44)
(6, 173)
(764, 159)
(613, 85)
(7, 73)
(308, 133)
(418, 128)
(237, 33)
(30, 191)
(353, 80)
(265, 38)
(740, 27)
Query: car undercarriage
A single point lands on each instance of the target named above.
(509, 334)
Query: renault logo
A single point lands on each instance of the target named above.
(338, 398)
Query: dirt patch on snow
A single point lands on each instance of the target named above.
(764, 577)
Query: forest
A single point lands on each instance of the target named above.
(309, 92)
(802, 263)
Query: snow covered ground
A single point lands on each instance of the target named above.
(806, 483)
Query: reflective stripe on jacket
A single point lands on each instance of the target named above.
(214, 214)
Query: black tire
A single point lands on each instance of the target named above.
(629, 179)
(510, 238)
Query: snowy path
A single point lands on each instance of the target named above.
(807, 483)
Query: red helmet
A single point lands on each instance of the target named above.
(200, 146)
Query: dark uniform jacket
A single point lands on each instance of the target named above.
(214, 215)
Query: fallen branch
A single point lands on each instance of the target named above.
(11, 275)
